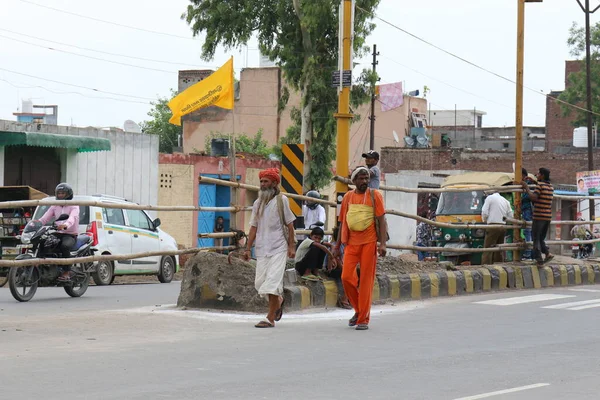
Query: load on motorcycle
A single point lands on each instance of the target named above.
(581, 232)
(53, 236)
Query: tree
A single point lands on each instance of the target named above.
(159, 124)
(302, 37)
(575, 92)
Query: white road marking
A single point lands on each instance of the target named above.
(585, 290)
(510, 301)
(576, 305)
(499, 392)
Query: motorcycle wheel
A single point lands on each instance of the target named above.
(78, 289)
(23, 282)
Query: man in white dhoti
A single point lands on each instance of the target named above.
(271, 226)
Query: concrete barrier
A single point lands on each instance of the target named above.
(448, 283)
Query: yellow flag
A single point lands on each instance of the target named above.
(216, 90)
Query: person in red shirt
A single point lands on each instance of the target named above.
(360, 238)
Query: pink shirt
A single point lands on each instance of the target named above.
(72, 223)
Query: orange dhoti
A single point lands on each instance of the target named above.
(360, 297)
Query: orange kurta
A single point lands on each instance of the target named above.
(360, 247)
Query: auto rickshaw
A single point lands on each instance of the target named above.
(465, 208)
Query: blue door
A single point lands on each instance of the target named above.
(206, 219)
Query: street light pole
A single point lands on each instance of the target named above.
(588, 89)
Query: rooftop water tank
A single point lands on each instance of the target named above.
(580, 137)
(27, 106)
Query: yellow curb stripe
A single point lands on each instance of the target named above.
(518, 278)
(376, 293)
(577, 270)
(564, 277)
(451, 283)
(591, 274)
(487, 279)
(435, 285)
(394, 288)
(468, 281)
(415, 281)
(208, 293)
(331, 293)
(305, 294)
(535, 272)
(503, 277)
(549, 275)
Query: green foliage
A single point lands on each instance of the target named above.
(243, 143)
(576, 92)
(302, 37)
(159, 124)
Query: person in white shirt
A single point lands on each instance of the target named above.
(313, 213)
(494, 210)
(271, 226)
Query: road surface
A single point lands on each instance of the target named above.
(126, 342)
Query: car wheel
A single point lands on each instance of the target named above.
(104, 274)
(167, 270)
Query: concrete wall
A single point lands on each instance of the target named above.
(129, 170)
(451, 117)
(562, 166)
(492, 138)
(176, 188)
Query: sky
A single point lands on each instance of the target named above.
(60, 57)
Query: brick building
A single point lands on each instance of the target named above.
(560, 156)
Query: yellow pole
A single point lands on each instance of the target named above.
(343, 115)
(519, 116)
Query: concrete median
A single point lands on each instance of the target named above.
(416, 286)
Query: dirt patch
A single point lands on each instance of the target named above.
(406, 264)
(209, 281)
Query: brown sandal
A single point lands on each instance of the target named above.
(264, 324)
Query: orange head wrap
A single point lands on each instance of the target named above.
(270, 173)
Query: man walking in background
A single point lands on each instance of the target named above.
(271, 226)
(372, 159)
(541, 198)
(494, 210)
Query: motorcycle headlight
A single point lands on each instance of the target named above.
(447, 237)
(437, 233)
(478, 233)
(26, 238)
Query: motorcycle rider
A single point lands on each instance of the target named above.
(68, 229)
(581, 232)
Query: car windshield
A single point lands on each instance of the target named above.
(460, 203)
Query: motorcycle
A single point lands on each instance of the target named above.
(582, 251)
(39, 241)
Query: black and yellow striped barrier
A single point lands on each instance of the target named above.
(292, 173)
(448, 283)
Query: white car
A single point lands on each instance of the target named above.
(119, 231)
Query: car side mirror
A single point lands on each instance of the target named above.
(63, 217)
(156, 223)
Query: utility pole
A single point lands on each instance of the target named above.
(519, 113)
(343, 116)
(232, 178)
(588, 88)
(372, 117)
